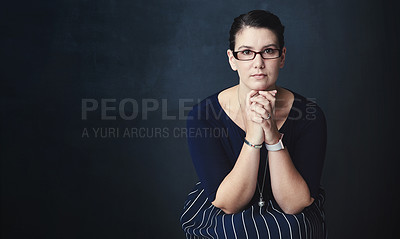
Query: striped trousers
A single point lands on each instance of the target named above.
(201, 219)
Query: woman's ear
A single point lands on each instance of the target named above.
(282, 63)
(231, 59)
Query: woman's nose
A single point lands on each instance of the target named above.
(258, 61)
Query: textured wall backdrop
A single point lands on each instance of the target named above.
(95, 93)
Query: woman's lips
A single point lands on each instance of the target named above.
(259, 76)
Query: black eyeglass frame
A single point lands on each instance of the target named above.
(235, 53)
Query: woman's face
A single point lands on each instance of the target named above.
(259, 73)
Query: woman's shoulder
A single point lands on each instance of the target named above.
(303, 105)
(305, 112)
(207, 107)
(213, 104)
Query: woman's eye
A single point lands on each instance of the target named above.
(246, 52)
(269, 50)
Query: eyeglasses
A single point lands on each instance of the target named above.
(248, 55)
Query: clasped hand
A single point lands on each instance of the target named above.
(260, 117)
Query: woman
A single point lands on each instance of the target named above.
(261, 179)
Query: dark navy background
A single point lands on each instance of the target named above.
(57, 184)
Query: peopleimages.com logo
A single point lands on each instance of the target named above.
(108, 109)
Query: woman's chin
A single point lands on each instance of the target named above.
(262, 87)
(259, 85)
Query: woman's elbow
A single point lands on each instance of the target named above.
(292, 210)
(227, 211)
(225, 208)
(296, 208)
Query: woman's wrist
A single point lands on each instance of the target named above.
(254, 139)
(256, 146)
(273, 139)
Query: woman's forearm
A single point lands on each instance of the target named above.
(238, 187)
(288, 187)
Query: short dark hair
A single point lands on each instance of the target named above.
(257, 19)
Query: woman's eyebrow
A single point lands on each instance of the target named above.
(249, 47)
(271, 45)
(243, 46)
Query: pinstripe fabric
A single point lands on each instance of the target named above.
(201, 219)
